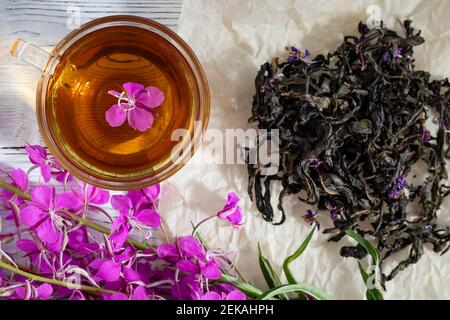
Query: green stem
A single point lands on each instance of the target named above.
(93, 290)
(13, 189)
(246, 288)
(88, 223)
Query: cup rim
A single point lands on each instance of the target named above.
(189, 147)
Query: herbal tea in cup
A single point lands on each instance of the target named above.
(110, 96)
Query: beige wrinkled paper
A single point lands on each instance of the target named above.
(232, 39)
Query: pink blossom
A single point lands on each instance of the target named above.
(43, 214)
(232, 212)
(130, 216)
(136, 104)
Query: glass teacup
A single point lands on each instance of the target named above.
(72, 99)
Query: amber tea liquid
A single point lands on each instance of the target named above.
(77, 97)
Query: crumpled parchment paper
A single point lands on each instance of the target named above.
(232, 39)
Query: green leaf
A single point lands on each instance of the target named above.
(371, 293)
(366, 245)
(287, 271)
(268, 272)
(363, 272)
(246, 288)
(298, 287)
(290, 277)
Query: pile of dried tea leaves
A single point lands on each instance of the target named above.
(351, 129)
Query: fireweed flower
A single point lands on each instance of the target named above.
(315, 163)
(130, 216)
(398, 188)
(233, 295)
(12, 202)
(39, 255)
(194, 266)
(147, 197)
(114, 265)
(136, 104)
(19, 180)
(139, 293)
(58, 248)
(78, 240)
(398, 54)
(232, 212)
(43, 214)
(47, 164)
(296, 54)
(311, 218)
(426, 136)
(334, 210)
(33, 292)
(91, 195)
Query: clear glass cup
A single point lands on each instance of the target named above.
(185, 148)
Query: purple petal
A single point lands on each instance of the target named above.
(117, 297)
(121, 203)
(43, 196)
(187, 266)
(151, 97)
(27, 245)
(149, 217)
(48, 234)
(236, 295)
(125, 255)
(152, 192)
(31, 215)
(167, 251)
(97, 263)
(140, 119)
(236, 217)
(44, 291)
(131, 275)
(46, 172)
(36, 153)
(118, 222)
(115, 116)
(119, 236)
(136, 196)
(140, 293)
(109, 271)
(97, 195)
(67, 200)
(190, 247)
(232, 199)
(132, 88)
(20, 293)
(79, 241)
(114, 93)
(211, 295)
(211, 271)
(20, 179)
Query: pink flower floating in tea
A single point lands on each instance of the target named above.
(136, 104)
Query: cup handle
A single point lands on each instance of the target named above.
(29, 53)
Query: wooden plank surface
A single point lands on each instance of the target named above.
(45, 23)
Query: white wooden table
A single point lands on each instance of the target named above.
(45, 23)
